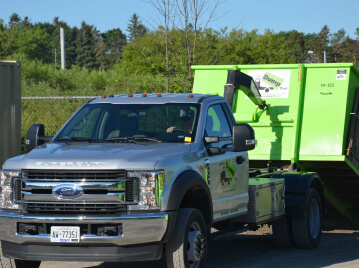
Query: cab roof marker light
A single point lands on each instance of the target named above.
(103, 96)
(144, 95)
(190, 96)
(130, 95)
(159, 95)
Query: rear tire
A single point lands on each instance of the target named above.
(188, 246)
(282, 233)
(307, 229)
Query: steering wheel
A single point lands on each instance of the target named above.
(182, 130)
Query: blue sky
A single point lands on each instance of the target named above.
(306, 16)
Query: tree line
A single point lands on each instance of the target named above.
(85, 46)
(171, 48)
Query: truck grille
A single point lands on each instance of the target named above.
(73, 175)
(101, 192)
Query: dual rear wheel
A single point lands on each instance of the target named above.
(301, 231)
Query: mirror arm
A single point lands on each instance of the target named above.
(217, 150)
(46, 138)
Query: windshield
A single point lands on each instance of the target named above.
(129, 122)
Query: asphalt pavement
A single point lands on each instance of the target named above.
(338, 248)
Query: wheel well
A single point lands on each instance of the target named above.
(196, 198)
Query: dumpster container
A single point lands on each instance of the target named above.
(10, 103)
(311, 122)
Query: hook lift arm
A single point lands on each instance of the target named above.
(237, 80)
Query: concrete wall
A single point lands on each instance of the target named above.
(10, 110)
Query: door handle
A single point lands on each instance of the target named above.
(240, 160)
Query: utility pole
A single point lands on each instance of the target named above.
(62, 45)
(325, 56)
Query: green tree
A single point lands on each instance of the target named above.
(15, 20)
(86, 47)
(270, 49)
(321, 43)
(242, 47)
(135, 28)
(21, 37)
(71, 48)
(33, 42)
(296, 41)
(337, 45)
(100, 49)
(115, 40)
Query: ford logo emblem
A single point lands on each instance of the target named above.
(67, 191)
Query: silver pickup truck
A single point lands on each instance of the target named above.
(135, 177)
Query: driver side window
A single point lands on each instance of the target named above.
(217, 124)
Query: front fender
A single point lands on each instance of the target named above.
(186, 181)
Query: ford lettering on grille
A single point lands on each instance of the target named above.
(67, 191)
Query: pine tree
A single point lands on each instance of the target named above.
(135, 28)
(85, 48)
(15, 20)
(70, 47)
(321, 43)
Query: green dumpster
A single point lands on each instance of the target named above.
(311, 121)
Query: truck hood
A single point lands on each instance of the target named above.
(80, 155)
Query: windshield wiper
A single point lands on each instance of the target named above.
(132, 139)
(75, 139)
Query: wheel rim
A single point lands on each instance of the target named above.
(195, 245)
(314, 218)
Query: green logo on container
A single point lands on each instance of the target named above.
(272, 80)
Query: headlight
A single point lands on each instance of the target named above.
(7, 194)
(150, 184)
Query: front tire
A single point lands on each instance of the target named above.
(188, 246)
(307, 229)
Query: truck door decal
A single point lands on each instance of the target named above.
(228, 173)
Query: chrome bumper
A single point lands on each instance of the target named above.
(136, 228)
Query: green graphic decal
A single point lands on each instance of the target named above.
(272, 80)
(230, 169)
(228, 173)
(208, 174)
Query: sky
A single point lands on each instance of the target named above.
(307, 16)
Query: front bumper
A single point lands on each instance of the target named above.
(137, 229)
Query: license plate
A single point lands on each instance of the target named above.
(65, 234)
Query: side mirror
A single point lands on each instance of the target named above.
(243, 138)
(35, 136)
